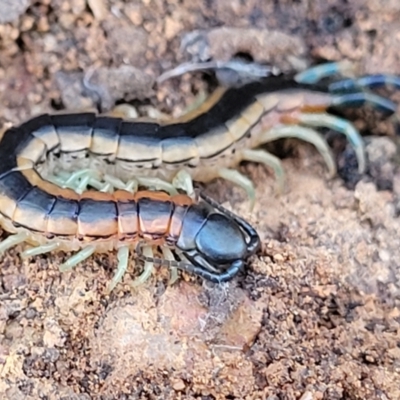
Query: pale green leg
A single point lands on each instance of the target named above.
(60, 178)
(77, 181)
(12, 241)
(104, 187)
(308, 135)
(157, 184)
(96, 184)
(148, 268)
(107, 188)
(263, 157)
(82, 185)
(238, 179)
(85, 253)
(123, 258)
(63, 175)
(343, 126)
(153, 113)
(200, 98)
(81, 181)
(167, 253)
(127, 111)
(183, 180)
(81, 175)
(130, 186)
(56, 180)
(44, 248)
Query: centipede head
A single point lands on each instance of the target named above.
(222, 245)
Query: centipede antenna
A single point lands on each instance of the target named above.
(168, 256)
(170, 262)
(151, 259)
(216, 277)
(194, 267)
(254, 242)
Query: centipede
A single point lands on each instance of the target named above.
(212, 242)
(70, 181)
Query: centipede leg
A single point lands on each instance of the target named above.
(76, 178)
(149, 182)
(83, 184)
(238, 179)
(167, 253)
(130, 186)
(269, 160)
(126, 111)
(105, 187)
(148, 267)
(85, 253)
(157, 184)
(12, 241)
(89, 180)
(79, 180)
(123, 259)
(108, 183)
(315, 74)
(307, 135)
(183, 180)
(57, 180)
(340, 125)
(44, 248)
(200, 99)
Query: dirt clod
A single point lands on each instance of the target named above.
(12, 9)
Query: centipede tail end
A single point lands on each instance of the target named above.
(380, 103)
(369, 81)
